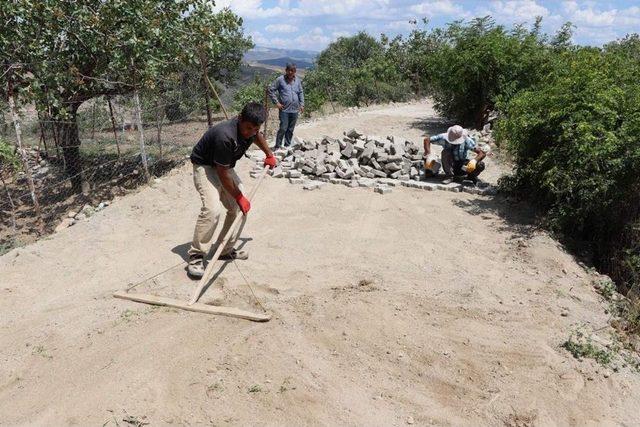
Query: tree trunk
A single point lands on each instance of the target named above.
(67, 130)
(43, 134)
(208, 103)
(266, 110)
(113, 125)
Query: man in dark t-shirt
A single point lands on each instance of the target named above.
(220, 188)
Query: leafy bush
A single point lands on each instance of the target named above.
(469, 67)
(253, 92)
(357, 70)
(574, 138)
(8, 159)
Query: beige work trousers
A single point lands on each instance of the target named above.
(217, 204)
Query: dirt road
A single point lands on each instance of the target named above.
(409, 308)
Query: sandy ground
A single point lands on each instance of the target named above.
(413, 307)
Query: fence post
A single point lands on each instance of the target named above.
(143, 153)
(23, 156)
(266, 109)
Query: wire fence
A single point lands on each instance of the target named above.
(122, 143)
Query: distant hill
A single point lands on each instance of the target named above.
(260, 54)
(281, 62)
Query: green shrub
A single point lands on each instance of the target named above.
(574, 141)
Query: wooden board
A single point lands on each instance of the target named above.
(197, 307)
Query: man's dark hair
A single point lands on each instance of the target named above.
(253, 112)
(290, 66)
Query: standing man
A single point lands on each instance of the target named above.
(218, 185)
(287, 94)
(456, 145)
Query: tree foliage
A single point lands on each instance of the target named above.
(354, 71)
(574, 141)
(60, 54)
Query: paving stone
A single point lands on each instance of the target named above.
(296, 180)
(382, 189)
(378, 173)
(311, 186)
(277, 172)
(367, 183)
(348, 150)
(392, 167)
(295, 173)
(353, 134)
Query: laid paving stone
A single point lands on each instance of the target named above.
(382, 189)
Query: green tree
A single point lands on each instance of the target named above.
(470, 67)
(357, 70)
(61, 54)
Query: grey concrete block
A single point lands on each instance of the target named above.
(311, 186)
(307, 169)
(277, 172)
(375, 164)
(296, 180)
(295, 173)
(329, 175)
(367, 183)
(388, 181)
(378, 173)
(396, 174)
(382, 189)
(353, 134)
(348, 150)
(392, 167)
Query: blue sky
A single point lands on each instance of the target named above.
(313, 24)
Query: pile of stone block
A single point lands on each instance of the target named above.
(356, 160)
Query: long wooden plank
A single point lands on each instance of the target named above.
(209, 270)
(197, 307)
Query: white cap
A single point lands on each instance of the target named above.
(456, 135)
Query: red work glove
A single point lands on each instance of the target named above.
(270, 161)
(243, 202)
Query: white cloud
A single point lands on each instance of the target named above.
(399, 25)
(588, 16)
(338, 34)
(281, 28)
(439, 7)
(518, 10)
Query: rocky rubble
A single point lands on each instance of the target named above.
(359, 160)
(84, 213)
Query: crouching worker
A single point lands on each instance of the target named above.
(214, 158)
(456, 145)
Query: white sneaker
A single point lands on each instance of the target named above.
(196, 267)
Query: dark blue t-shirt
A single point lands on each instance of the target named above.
(221, 145)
